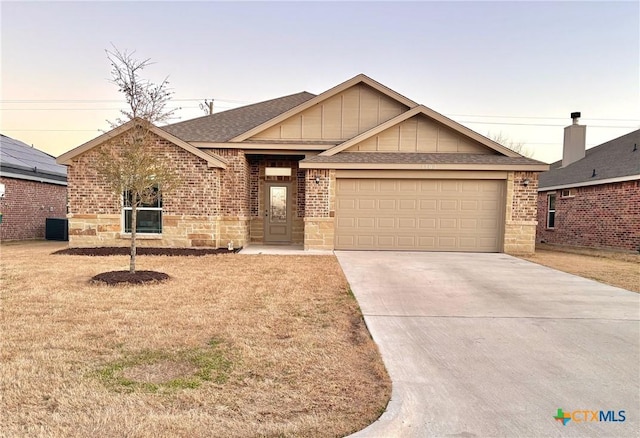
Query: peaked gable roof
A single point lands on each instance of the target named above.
(361, 78)
(212, 159)
(613, 160)
(225, 125)
(428, 112)
(19, 160)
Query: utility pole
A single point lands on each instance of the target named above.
(207, 106)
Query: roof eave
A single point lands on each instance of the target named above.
(589, 183)
(424, 166)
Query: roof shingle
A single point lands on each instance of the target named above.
(419, 158)
(223, 126)
(613, 159)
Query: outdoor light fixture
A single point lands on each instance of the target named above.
(317, 180)
(525, 182)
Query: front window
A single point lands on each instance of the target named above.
(149, 216)
(551, 211)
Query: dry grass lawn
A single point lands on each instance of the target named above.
(614, 268)
(232, 345)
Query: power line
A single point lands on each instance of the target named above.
(73, 101)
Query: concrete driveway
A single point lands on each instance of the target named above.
(489, 345)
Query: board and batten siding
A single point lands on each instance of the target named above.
(419, 134)
(341, 117)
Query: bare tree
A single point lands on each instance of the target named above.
(505, 141)
(132, 170)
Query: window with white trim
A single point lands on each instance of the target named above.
(551, 210)
(148, 216)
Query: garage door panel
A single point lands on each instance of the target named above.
(448, 223)
(387, 204)
(346, 204)
(432, 215)
(427, 223)
(405, 223)
(346, 223)
(428, 204)
(448, 204)
(366, 204)
(468, 224)
(408, 204)
(407, 241)
(386, 242)
(469, 204)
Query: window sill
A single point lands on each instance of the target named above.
(142, 236)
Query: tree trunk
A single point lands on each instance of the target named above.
(134, 226)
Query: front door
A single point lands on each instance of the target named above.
(277, 221)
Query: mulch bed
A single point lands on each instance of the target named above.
(138, 277)
(112, 251)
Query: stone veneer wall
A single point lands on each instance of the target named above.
(521, 213)
(600, 216)
(189, 215)
(319, 226)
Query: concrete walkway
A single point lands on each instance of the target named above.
(489, 345)
(282, 250)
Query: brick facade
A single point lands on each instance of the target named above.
(319, 225)
(213, 207)
(189, 214)
(520, 213)
(600, 216)
(27, 205)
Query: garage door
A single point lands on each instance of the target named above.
(428, 215)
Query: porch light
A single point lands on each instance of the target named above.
(525, 182)
(317, 180)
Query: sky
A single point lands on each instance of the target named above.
(512, 68)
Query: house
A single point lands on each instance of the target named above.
(591, 198)
(357, 167)
(32, 188)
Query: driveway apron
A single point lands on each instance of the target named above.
(488, 345)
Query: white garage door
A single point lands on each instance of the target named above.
(428, 215)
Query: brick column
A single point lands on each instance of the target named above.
(319, 226)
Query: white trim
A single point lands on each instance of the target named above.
(591, 183)
(424, 166)
(32, 178)
(261, 146)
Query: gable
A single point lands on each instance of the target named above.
(211, 159)
(339, 117)
(420, 134)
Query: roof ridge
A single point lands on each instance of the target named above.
(244, 107)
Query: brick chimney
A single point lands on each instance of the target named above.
(574, 141)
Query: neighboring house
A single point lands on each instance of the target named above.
(357, 167)
(34, 187)
(592, 198)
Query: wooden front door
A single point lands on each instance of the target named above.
(277, 220)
